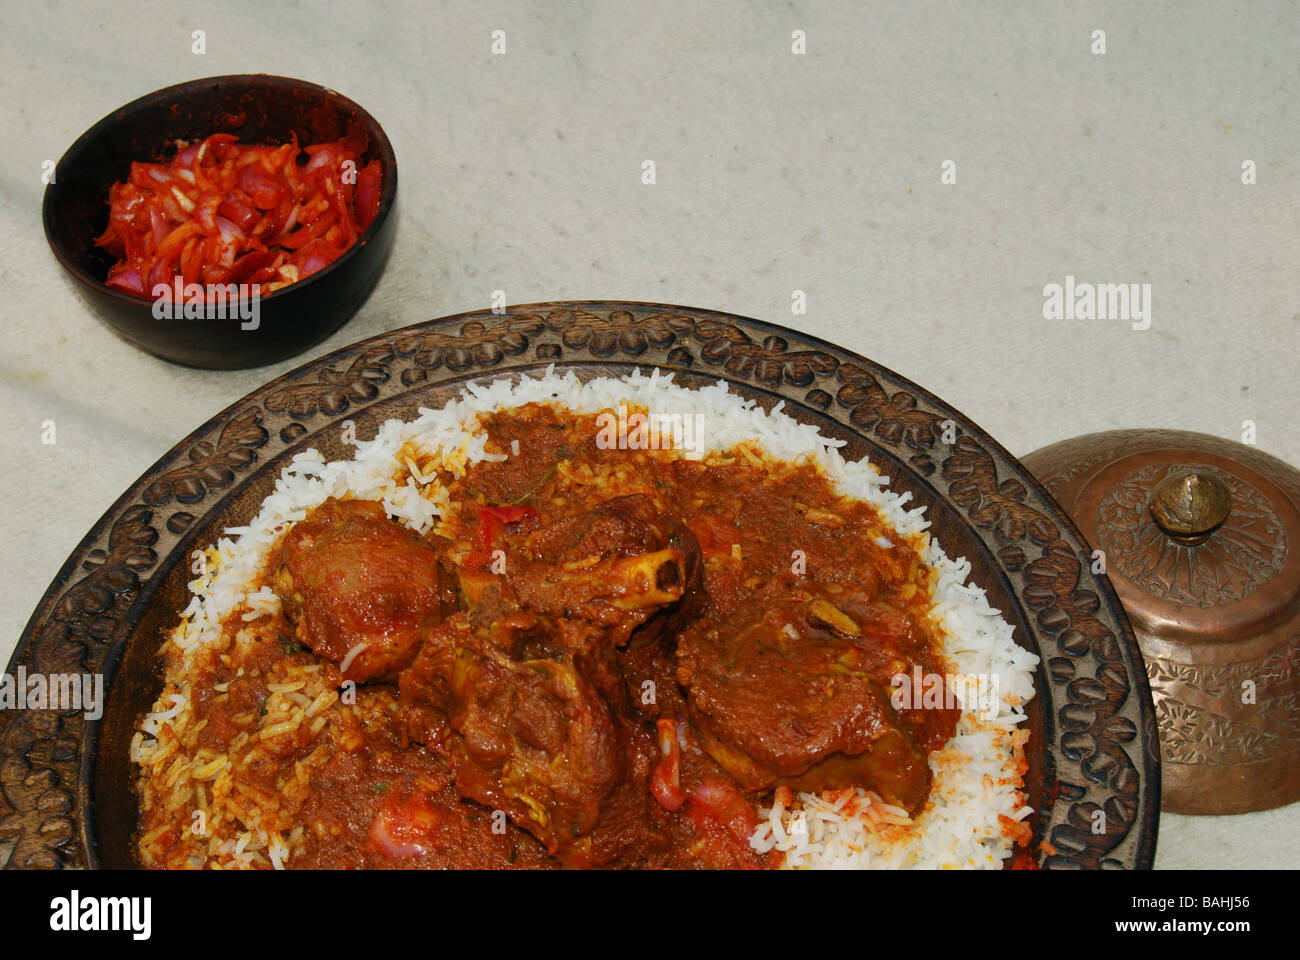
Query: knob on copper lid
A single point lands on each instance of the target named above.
(1199, 537)
(1189, 505)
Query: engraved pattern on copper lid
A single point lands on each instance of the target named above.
(1247, 551)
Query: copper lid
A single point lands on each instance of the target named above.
(1193, 532)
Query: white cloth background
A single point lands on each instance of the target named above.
(775, 172)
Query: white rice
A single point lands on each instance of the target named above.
(975, 777)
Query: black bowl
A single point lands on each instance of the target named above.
(258, 109)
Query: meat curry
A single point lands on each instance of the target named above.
(598, 658)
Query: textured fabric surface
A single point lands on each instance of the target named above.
(775, 172)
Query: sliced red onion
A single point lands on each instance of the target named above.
(128, 281)
(381, 836)
(159, 274)
(321, 158)
(158, 225)
(291, 222)
(229, 229)
(312, 264)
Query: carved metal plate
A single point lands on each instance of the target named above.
(65, 782)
